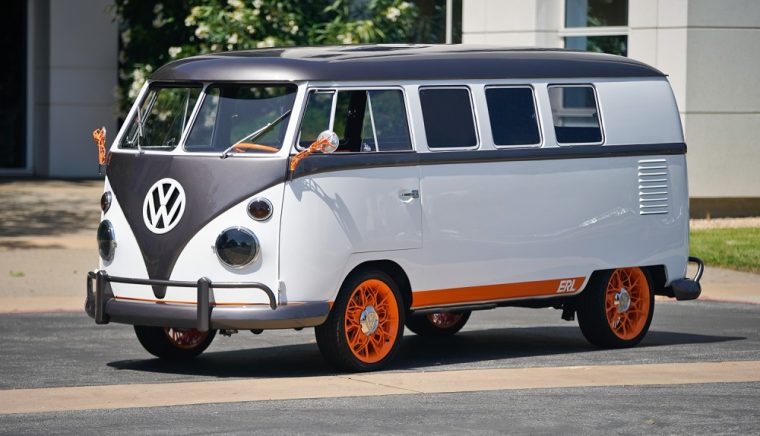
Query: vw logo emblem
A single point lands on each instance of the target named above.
(163, 206)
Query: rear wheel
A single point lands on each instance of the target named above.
(438, 324)
(616, 310)
(174, 344)
(366, 324)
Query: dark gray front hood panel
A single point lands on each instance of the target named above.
(212, 185)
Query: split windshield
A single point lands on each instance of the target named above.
(231, 119)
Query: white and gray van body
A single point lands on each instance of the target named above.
(482, 223)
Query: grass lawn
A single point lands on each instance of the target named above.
(730, 248)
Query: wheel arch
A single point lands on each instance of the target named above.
(659, 277)
(394, 270)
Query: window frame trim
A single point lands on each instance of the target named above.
(335, 90)
(475, 124)
(541, 136)
(598, 111)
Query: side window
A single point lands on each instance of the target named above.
(512, 112)
(449, 121)
(575, 114)
(316, 118)
(364, 121)
(353, 122)
(391, 125)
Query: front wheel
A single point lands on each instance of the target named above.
(438, 324)
(616, 310)
(174, 344)
(366, 324)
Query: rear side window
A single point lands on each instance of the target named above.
(364, 120)
(449, 121)
(575, 114)
(512, 112)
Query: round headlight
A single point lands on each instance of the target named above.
(260, 209)
(106, 240)
(105, 201)
(237, 247)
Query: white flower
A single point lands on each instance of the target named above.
(294, 29)
(267, 42)
(235, 3)
(404, 6)
(159, 21)
(232, 39)
(347, 38)
(158, 8)
(174, 51)
(250, 29)
(126, 37)
(202, 31)
(392, 13)
(257, 4)
(138, 78)
(237, 16)
(190, 21)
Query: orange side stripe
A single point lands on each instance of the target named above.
(478, 294)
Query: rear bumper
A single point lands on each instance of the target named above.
(104, 307)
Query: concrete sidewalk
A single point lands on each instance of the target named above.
(47, 245)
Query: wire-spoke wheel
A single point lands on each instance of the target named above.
(174, 344)
(365, 326)
(438, 324)
(617, 308)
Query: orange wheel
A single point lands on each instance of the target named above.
(365, 326)
(627, 302)
(617, 307)
(174, 344)
(438, 324)
(371, 321)
(185, 339)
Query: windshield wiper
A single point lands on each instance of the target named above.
(257, 133)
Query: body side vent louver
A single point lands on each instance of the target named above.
(653, 186)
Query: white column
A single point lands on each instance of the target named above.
(83, 76)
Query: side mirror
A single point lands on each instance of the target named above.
(327, 142)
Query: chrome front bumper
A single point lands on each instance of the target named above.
(205, 315)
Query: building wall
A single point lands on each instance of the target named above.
(710, 52)
(75, 53)
(723, 97)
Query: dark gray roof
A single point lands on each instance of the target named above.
(400, 62)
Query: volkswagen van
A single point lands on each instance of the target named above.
(360, 190)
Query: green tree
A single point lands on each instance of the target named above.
(153, 34)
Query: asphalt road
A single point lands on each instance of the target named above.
(68, 350)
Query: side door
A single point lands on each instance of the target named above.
(362, 198)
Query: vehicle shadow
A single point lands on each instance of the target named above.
(474, 346)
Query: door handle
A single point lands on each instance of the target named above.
(408, 195)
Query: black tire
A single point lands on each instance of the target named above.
(432, 325)
(343, 323)
(158, 342)
(601, 321)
